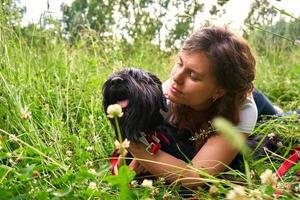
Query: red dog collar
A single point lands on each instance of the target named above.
(152, 141)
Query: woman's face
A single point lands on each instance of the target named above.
(192, 81)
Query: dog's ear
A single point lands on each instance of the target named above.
(163, 100)
(164, 105)
(155, 79)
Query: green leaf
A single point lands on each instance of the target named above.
(232, 134)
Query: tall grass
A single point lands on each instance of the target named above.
(54, 137)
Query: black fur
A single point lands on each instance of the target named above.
(143, 114)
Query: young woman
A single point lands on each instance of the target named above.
(213, 76)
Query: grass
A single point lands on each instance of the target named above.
(55, 139)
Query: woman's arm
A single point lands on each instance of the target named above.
(215, 154)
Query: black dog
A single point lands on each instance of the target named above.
(140, 95)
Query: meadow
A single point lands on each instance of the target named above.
(55, 140)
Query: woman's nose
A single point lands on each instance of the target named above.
(178, 77)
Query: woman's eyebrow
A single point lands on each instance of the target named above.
(180, 59)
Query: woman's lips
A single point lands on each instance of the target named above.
(175, 91)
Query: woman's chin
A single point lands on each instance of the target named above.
(174, 99)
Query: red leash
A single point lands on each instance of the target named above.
(291, 161)
(287, 164)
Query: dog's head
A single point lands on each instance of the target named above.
(140, 95)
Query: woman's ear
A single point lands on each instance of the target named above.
(219, 93)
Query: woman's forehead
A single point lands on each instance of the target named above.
(196, 60)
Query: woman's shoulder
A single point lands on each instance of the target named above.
(248, 115)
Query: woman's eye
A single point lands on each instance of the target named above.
(179, 63)
(193, 76)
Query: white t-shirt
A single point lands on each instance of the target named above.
(248, 111)
(248, 115)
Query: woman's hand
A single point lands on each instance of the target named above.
(137, 167)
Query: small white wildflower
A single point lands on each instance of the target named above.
(255, 194)
(13, 138)
(93, 186)
(92, 171)
(91, 117)
(237, 193)
(8, 154)
(89, 149)
(297, 42)
(297, 188)
(154, 191)
(114, 110)
(271, 135)
(167, 195)
(25, 113)
(125, 144)
(147, 183)
(213, 190)
(268, 178)
(162, 180)
(279, 144)
(89, 163)
(134, 183)
(69, 153)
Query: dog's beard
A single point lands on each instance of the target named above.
(140, 98)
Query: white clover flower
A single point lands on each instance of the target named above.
(25, 114)
(114, 110)
(162, 180)
(167, 195)
(279, 144)
(134, 183)
(154, 191)
(297, 42)
(89, 163)
(147, 183)
(213, 190)
(124, 145)
(92, 171)
(268, 178)
(69, 153)
(89, 149)
(271, 135)
(93, 186)
(237, 193)
(255, 194)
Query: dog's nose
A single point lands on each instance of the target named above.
(116, 80)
